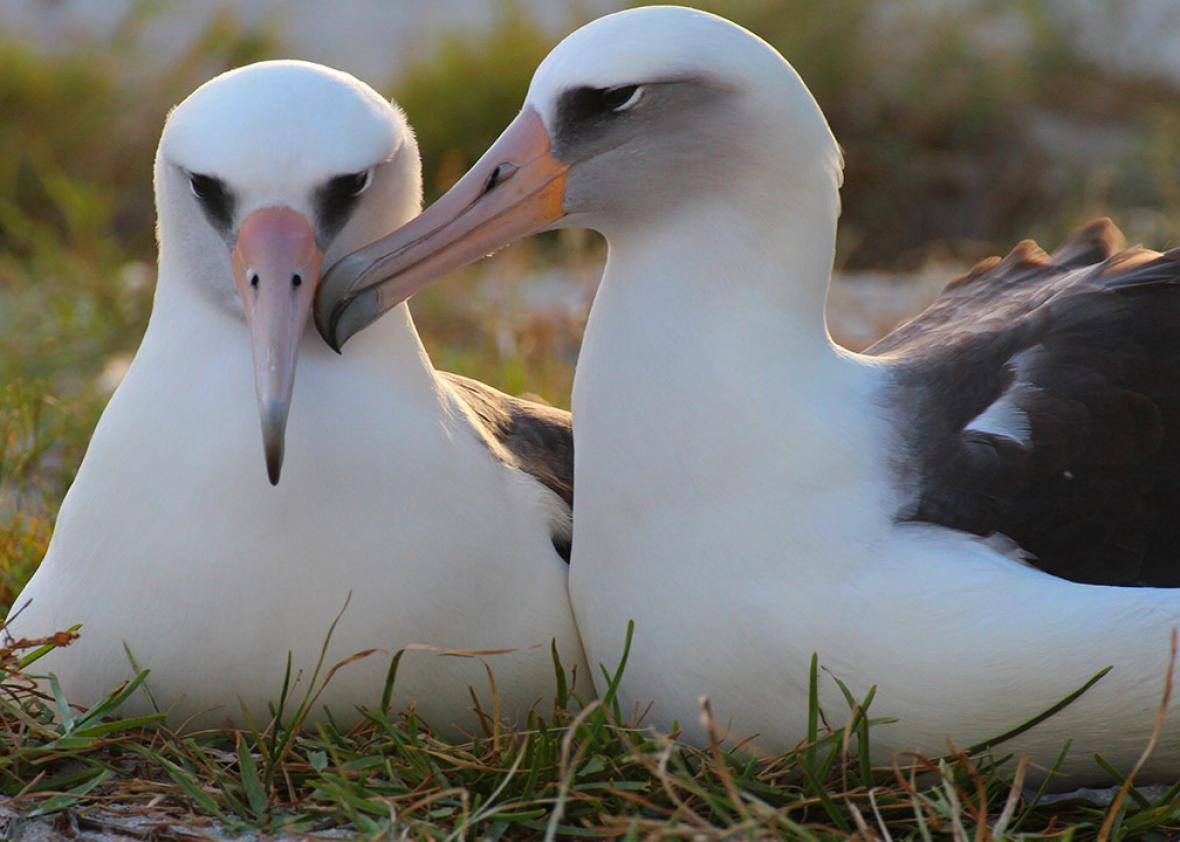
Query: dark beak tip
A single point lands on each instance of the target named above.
(330, 327)
(347, 301)
(274, 426)
(274, 464)
(327, 322)
(332, 335)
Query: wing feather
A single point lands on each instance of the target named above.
(1083, 347)
(534, 437)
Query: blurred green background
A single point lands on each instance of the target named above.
(966, 125)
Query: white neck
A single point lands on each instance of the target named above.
(720, 258)
(707, 382)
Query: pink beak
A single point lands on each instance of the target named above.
(276, 269)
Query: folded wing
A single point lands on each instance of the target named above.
(1039, 398)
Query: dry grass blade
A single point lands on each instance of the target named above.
(885, 834)
(1117, 804)
(1005, 818)
(566, 768)
(720, 767)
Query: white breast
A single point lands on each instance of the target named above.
(172, 542)
(735, 499)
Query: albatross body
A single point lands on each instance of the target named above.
(431, 504)
(977, 516)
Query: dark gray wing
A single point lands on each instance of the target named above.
(1039, 397)
(533, 437)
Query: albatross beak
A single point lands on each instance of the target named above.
(516, 188)
(276, 269)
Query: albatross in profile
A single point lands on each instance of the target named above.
(977, 515)
(440, 505)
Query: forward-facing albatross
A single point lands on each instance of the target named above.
(946, 516)
(439, 504)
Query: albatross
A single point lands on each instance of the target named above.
(977, 516)
(432, 506)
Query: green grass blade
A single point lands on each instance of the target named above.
(812, 711)
(68, 799)
(981, 747)
(255, 794)
(390, 680)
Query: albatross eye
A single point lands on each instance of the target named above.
(214, 196)
(621, 98)
(354, 183)
(596, 106)
(338, 197)
(205, 187)
(344, 188)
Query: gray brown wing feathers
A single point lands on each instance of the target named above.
(1080, 352)
(533, 437)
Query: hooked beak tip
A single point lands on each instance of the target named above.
(331, 333)
(469, 222)
(350, 316)
(335, 295)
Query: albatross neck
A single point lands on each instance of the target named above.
(707, 381)
(722, 278)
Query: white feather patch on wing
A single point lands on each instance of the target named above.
(1004, 545)
(1004, 418)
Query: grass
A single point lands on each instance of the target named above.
(579, 769)
(941, 160)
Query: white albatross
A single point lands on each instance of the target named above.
(438, 503)
(946, 516)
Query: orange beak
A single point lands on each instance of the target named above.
(276, 269)
(515, 189)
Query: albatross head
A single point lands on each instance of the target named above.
(631, 119)
(262, 175)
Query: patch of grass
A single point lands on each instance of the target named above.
(579, 769)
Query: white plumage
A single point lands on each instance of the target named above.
(749, 494)
(172, 542)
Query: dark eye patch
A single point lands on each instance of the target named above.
(336, 200)
(214, 198)
(584, 114)
(591, 106)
